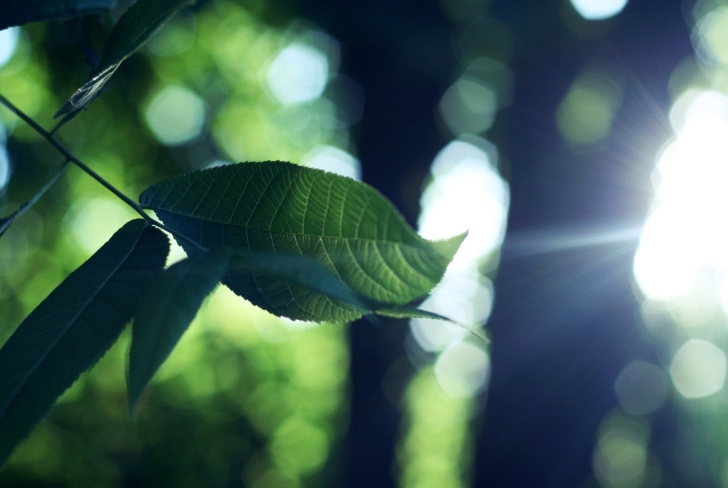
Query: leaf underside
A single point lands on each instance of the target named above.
(134, 28)
(280, 207)
(304, 271)
(164, 313)
(73, 327)
(20, 12)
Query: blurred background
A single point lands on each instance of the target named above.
(583, 143)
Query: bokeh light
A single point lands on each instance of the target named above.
(471, 103)
(174, 38)
(94, 219)
(468, 298)
(432, 453)
(598, 9)
(176, 115)
(463, 369)
(300, 445)
(298, 74)
(698, 369)
(8, 42)
(333, 160)
(466, 194)
(681, 263)
(641, 388)
(621, 456)
(585, 114)
(712, 36)
(686, 234)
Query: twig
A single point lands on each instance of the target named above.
(70, 157)
(7, 222)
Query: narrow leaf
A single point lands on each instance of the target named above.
(73, 327)
(19, 12)
(86, 94)
(409, 312)
(165, 312)
(345, 225)
(134, 28)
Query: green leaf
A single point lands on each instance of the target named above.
(73, 327)
(345, 225)
(19, 12)
(134, 28)
(166, 311)
(300, 270)
(409, 312)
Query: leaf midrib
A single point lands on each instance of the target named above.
(295, 234)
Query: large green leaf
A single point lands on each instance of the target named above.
(274, 206)
(166, 311)
(19, 12)
(73, 327)
(134, 28)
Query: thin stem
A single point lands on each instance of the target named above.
(70, 157)
(24, 207)
(43, 189)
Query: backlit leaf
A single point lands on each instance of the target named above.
(134, 28)
(165, 312)
(73, 327)
(19, 12)
(408, 312)
(273, 206)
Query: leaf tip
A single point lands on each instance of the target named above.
(448, 247)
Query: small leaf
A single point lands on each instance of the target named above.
(19, 12)
(87, 93)
(73, 327)
(408, 312)
(165, 312)
(134, 28)
(345, 225)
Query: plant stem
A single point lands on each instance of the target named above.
(70, 157)
(6, 222)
